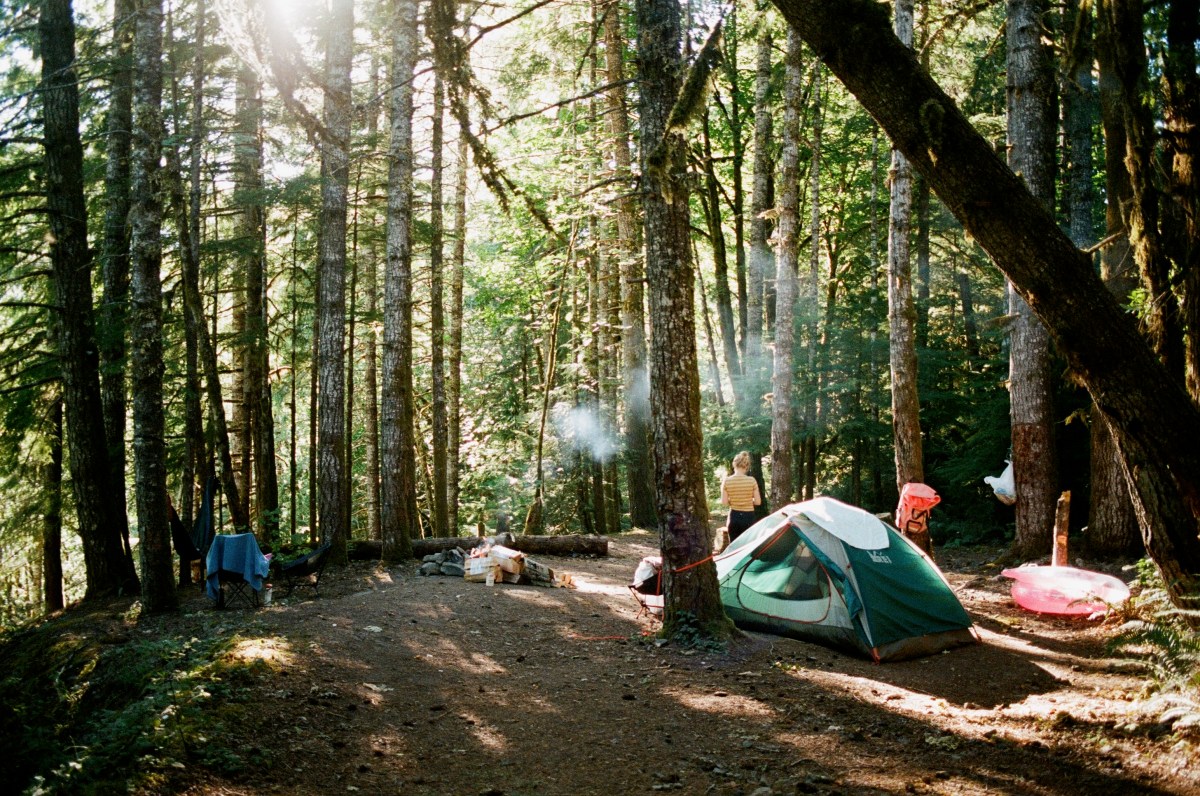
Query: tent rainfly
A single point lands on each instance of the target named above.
(834, 574)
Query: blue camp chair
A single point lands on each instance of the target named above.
(236, 570)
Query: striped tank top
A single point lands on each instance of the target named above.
(740, 489)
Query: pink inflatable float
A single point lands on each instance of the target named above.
(1065, 591)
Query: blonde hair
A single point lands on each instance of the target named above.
(742, 461)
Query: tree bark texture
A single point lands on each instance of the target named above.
(761, 262)
(107, 560)
(437, 320)
(115, 250)
(332, 511)
(1121, 41)
(639, 467)
(454, 354)
(1181, 140)
(145, 317)
(782, 432)
(690, 586)
(195, 321)
(252, 248)
(52, 501)
(902, 313)
(722, 293)
(1032, 126)
(398, 495)
(1112, 523)
(1154, 422)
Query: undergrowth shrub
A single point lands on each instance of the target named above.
(1163, 636)
(88, 707)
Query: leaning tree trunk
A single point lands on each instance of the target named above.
(146, 326)
(107, 560)
(1032, 125)
(782, 489)
(902, 314)
(1154, 421)
(690, 583)
(398, 498)
(331, 275)
(639, 469)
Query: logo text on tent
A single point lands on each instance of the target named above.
(878, 558)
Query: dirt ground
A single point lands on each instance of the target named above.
(394, 683)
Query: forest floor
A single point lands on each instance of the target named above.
(394, 683)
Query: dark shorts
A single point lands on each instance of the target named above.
(739, 521)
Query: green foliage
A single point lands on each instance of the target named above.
(1164, 637)
(91, 708)
(690, 633)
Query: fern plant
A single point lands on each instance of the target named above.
(1161, 634)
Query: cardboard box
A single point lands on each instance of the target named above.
(477, 570)
(509, 560)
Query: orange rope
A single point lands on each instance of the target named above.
(689, 566)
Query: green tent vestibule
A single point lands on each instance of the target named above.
(834, 574)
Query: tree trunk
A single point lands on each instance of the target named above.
(1112, 523)
(1155, 423)
(197, 465)
(714, 364)
(737, 146)
(1121, 36)
(595, 454)
(195, 319)
(455, 354)
(1032, 125)
(716, 232)
(690, 586)
(639, 469)
(1181, 140)
(115, 252)
(437, 323)
(761, 261)
(106, 557)
(924, 276)
(331, 275)
(813, 425)
(52, 494)
(398, 495)
(252, 238)
(146, 326)
(371, 370)
(782, 489)
(902, 315)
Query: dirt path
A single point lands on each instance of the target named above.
(393, 683)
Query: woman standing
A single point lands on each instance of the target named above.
(740, 493)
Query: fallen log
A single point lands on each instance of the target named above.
(567, 545)
(372, 550)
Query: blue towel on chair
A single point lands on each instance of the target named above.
(238, 553)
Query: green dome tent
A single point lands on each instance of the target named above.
(834, 574)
